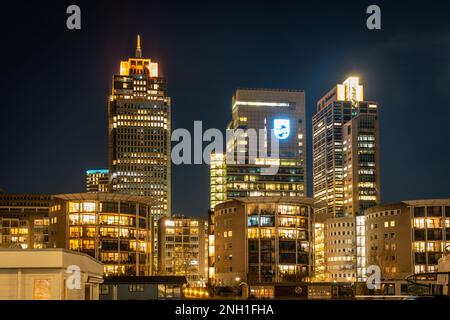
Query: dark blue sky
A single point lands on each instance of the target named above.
(55, 82)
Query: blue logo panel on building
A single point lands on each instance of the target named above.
(281, 128)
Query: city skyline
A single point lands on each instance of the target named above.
(53, 108)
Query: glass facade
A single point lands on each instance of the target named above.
(116, 231)
(345, 169)
(430, 234)
(184, 249)
(261, 110)
(218, 178)
(278, 238)
(139, 133)
(24, 221)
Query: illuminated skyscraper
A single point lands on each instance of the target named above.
(139, 133)
(263, 109)
(345, 175)
(97, 180)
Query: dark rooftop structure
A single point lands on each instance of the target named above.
(146, 279)
(143, 288)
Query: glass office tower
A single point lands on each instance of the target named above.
(139, 133)
(263, 109)
(345, 175)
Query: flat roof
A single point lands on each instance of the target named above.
(146, 279)
(289, 200)
(94, 171)
(420, 202)
(11, 258)
(428, 202)
(105, 197)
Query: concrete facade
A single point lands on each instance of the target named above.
(43, 275)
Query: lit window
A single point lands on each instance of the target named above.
(89, 206)
(74, 207)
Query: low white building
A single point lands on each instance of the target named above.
(49, 274)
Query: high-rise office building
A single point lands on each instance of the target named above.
(139, 133)
(24, 221)
(97, 180)
(282, 111)
(345, 175)
(183, 249)
(345, 152)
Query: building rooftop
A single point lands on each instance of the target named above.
(428, 202)
(290, 200)
(46, 258)
(421, 202)
(24, 200)
(105, 197)
(270, 89)
(146, 279)
(97, 171)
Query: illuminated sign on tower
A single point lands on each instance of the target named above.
(281, 128)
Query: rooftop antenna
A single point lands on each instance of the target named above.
(138, 47)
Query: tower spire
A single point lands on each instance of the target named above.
(138, 47)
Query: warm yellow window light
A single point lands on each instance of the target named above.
(137, 65)
(153, 69)
(350, 90)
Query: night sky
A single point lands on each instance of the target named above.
(55, 82)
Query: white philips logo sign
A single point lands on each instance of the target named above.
(281, 128)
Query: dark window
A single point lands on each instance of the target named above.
(111, 207)
(419, 211)
(302, 258)
(434, 211)
(104, 289)
(434, 234)
(253, 258)
(287, 246)
(267, 258)
(253, 245)
(287, 257)
(419, 235)
(388, 289)
(110, 245)
(143, 210)
(419, 258)
(403, 289)
(433, 258)
(126, 207)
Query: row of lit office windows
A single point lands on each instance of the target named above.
(268, 233)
